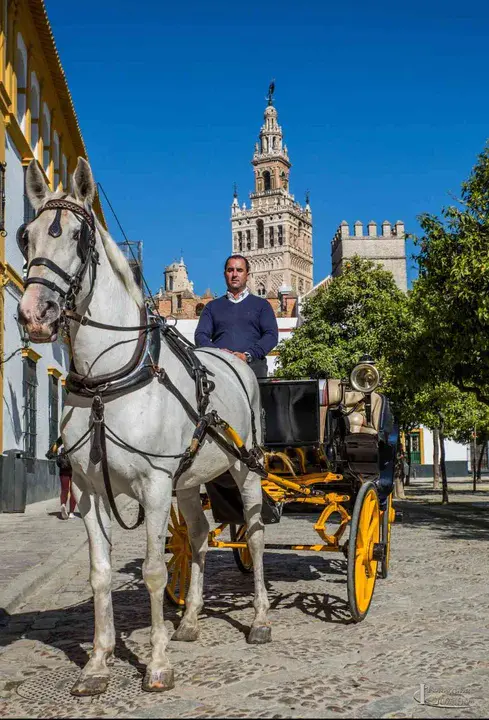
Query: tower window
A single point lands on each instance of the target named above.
(248, 240)
(198, 309)
(272, 236)
(260, 234)
(179, 302)
(267, 180)
(280, 231)
(170, 283)
(240, 241)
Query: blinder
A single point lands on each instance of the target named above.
(83, 237)
(23, 239)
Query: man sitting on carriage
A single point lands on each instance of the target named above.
(239, 322)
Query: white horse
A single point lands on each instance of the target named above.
(150, 418)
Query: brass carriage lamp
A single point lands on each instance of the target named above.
(365, 377)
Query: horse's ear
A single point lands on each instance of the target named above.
(83, 183)
(36, 186)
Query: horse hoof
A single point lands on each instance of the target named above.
(260, 635)
(158, 680)
(186, 633)
(90, 685)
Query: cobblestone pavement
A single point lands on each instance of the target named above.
(428, 625)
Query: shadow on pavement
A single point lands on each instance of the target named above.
(70, 629)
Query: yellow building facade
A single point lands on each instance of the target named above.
(37, 120)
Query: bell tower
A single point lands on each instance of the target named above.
(275, 232)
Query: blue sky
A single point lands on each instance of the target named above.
(384, 107)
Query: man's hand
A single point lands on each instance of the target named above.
(241, 356)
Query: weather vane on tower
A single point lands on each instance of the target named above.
(271, 90)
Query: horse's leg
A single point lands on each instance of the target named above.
(198, 529)
(94, 677)
(249, 486)
(159, 673)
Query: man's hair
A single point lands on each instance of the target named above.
(237, 257)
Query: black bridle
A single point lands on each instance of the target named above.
(85, 239)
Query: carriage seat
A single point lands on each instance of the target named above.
(331, 396)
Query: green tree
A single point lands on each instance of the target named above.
(361, 311)
(451, 294)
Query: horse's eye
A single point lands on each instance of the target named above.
(76, 235)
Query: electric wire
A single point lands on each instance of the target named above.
(99, 185)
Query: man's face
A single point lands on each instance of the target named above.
(236, 275)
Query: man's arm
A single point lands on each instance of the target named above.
(205, 329)
(269, 333)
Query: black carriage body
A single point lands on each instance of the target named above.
(292, 419)
(291, 412)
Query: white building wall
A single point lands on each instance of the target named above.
(14, 204)
(13, 401)
(52, 355)
(453, 450)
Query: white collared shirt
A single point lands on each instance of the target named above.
(238, 298)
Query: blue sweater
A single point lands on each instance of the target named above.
(248, 326)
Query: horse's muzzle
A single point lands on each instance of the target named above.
(39, 315)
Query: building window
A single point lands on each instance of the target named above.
(280, 232)
(260, 233)
(267, 180)
(198, 309)
(21, 77)
(34, 103)
(179, 302)
(53, 409)
(260, 290)
(56, 176)
(46, 137)
(30, 406)
(248, 239)
(272, 236)
(240, 241)
(64, 172)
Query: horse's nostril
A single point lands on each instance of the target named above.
(49, 307)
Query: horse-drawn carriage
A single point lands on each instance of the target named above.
(329, 444)
(138, 392)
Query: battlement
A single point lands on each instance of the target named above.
(388, 231)
(387, 248)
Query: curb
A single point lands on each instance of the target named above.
(31, 580)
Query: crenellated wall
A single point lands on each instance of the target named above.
(386, 245)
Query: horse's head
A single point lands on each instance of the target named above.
(56, 246)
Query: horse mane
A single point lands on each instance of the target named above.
(119, 264)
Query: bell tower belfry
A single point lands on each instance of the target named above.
(275, 232)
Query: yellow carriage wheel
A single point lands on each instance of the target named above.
(179, 565)
(242, 556)
(388, 517)
(363, 550)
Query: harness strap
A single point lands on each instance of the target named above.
(52, 266)
(47, 283)
(108, 487)
(253, 425)
(84, 320)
